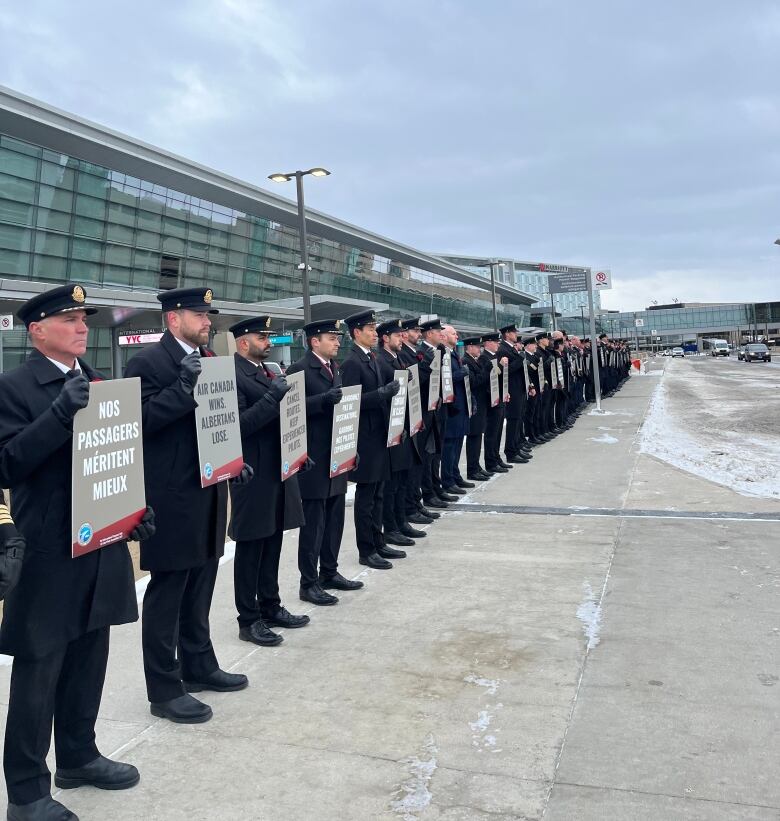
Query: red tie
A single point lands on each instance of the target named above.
(326, 365)
(269, 373)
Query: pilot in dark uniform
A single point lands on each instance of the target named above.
(191, 520)
(57, 618)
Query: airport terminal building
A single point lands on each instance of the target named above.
(79, 201)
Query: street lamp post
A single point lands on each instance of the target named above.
(493, 266)
(303, 267)
(582, 314)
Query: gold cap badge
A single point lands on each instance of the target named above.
(78, 294)
(338, 324)
(208, 296)
(268, 322)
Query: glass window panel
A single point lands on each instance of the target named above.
(88, 227)
(90, 207)
(14, 188)
(53, 220)
(175, 227)
(50, 267)
(94, 186)
(14, 263)
(174, 246)
(117, 275)
(19, 212)
(51, 244)
(148, 239)
(15, 238)
(121, 214)
(86, 249)
(83, 271)
(59, 176)
(217, 254)
(119, 233)
(197, 249)
(119, 255)
(20, 165)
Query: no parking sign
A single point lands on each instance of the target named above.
(7, 322)
(602, 279)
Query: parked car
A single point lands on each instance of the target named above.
(678, 352)
(755, 352)
(741, 352)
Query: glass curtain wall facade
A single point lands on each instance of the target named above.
(65, 218)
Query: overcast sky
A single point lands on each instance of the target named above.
(644, 137)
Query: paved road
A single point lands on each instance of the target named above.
(558, 665)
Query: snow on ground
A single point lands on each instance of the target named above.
(719, 425)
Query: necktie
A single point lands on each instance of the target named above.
(327, 367)
(269, 373)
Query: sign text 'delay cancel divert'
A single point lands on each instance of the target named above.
(107, 469)
(216, 418)
(292, 415)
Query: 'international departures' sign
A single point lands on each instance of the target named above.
(216, 419)
(395, 429)
(292, 413)
(107, 467)
(343, 440)
(414, 401)
(434, 384)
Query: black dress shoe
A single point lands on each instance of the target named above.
(182, 710)
(431, 514)
(376, 561)
(314, 594)
(419, 519)
(44, 809)
(218, 682)
(412, 533)
(397, 538)
(448, 497)
(101, 773)
(338, 582)
(505, 465)
(478, 477)
(435, 503)
(463, 484)
(519, 460)
(258, 633)
(391, 553)
(454, 490)
(283, 618)
(489, 472)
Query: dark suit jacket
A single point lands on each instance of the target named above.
(479, 377)
(316, 483)
(361, 369)
(58, 598)
(517, 389)
(191, 520)
(267, 504)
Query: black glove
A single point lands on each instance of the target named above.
(246, 475)
(72, 398)
(307, 465)
(391, 389)
(357, 461)
(189, 371)
(279, 388)
(332, 396)
(146, 528)
(11, 557)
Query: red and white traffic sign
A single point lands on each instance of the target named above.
(602, 279)
(7, 322)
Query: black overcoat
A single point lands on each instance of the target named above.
(316, 483)
(266, 504)
(479, 377)
(191, 520)
(58, 598)
(359, 368)
(401, 455)
(517, 389)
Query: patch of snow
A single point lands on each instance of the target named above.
(480, 738)
(490, 684)
(589, 613)
(414, 794)
(604, 439)
(751, 468)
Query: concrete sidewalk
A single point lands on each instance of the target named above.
(512, 667)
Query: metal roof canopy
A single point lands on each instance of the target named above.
(31, 120)
(139, 309)
(328, 306)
